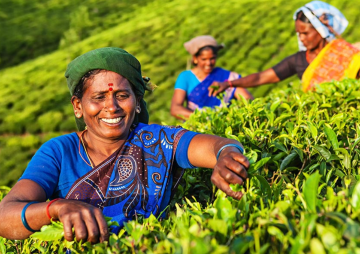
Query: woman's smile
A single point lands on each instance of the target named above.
(112, 120)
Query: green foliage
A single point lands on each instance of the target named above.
(302, 196)
(34, 28)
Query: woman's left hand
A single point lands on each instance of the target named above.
(231, 168)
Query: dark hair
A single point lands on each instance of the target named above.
(214, 50)
(79, 89)
(301, 16)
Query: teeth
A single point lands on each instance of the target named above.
(114, 120)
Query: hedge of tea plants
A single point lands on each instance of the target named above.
(302, 195)
(35, 103)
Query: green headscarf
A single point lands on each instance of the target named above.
(111, 59)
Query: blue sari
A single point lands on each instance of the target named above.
(199, 96)
(137, 179)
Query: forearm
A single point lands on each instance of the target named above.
(180, 112)
(204, 148)
(11, 226)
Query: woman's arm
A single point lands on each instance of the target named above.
(242, 92)
(231, 166)
(177, 108)
(264, 77)
(88, 221)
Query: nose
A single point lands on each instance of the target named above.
(111, 104)
(302, 37)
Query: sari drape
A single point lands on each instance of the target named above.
(199, 96)
(336, 61)
(136, 179)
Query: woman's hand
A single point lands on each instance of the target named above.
(87, 220)
(231, 168)
(217, 87)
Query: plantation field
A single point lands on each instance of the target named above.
(36, 27)
(302, 195)
(35, 101)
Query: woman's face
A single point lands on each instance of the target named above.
(108, 105)
(308, 35)
(205, 61)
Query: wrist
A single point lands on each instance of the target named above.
(234, 147)
(51, 209)
(229, 83)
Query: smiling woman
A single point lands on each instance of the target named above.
(116, 165)
(191, 85)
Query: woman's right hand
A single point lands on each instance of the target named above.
(87, 220)
(217, 87)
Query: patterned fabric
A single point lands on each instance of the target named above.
(134, 179)
(338, 60)
(199, 96)
(314, 10)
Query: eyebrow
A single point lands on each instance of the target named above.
(106, 91)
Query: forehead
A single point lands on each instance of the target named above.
(104, 78)
(302, 27)
(207, 53)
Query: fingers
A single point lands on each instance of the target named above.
(231, 168)
(242, 160)
(235, 173)
(68, 234)
(212, 89)
(224, 186)
(104, 231)
(84, 221)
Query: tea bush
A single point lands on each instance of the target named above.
(302, 195)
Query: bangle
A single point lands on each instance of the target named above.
(48, 206)
(229, 145)
(229, 82)
(23, 219)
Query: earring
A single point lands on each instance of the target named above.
(138, 109)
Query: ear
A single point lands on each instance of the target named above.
(194, 60)
(77, 106)
(138, 99)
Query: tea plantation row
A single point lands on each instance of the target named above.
(302, 196)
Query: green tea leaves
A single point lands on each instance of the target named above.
(310, 190)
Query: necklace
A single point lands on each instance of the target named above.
(83, 144)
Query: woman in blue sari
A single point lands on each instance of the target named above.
(191, 87)
(117, 164)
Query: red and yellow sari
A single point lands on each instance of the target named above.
(336, 61)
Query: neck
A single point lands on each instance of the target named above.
(321, 45)
(99, 149)
(199, 73)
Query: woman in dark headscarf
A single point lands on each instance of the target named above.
(116, 165)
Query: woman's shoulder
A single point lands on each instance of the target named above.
(185, 74)
(62, 142)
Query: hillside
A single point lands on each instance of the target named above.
(35, 102)
(36, 27)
